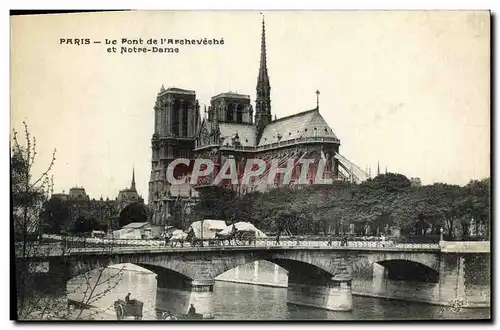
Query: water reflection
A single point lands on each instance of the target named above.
(114, 284)
(233, 301)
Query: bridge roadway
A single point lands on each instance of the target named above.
(154, 246)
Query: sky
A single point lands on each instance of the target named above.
(408, 89)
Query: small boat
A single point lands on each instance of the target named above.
(194, 316)
(132, 308)
(171, 317)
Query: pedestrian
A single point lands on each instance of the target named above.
(278, 238)
(344, 240)
(192, 310)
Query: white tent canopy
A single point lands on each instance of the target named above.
(208, 228)
(178, 234)
(244, 226)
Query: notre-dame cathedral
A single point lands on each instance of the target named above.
(230, 130)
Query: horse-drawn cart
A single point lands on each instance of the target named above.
(242, 233)
(215, 233)
(244, 237)
(132, 308)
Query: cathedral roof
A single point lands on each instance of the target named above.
(231, 95)
(175, 90)
(246, 133)
(127, 190)
(303, 124)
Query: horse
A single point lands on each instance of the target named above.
(165, 239)
(177, 237)
(227, 237)
(192, 239)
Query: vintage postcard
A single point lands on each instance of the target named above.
(251, 165)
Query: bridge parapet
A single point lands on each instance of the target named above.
(465, 247)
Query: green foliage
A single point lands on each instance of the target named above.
(84, 225)
(55, 216)
(135, 212)
(374, 206)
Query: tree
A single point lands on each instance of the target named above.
(476, 206)
(376, 205)
(55, 216)
(216, 203)
(438, 206)
(85, 224)
(29, 192)
(27, 197)
(134, 212)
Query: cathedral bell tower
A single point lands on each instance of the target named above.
(263, 100)
(176, 123)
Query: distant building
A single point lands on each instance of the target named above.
(415, 182)
(107, 211)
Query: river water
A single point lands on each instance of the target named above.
(234, 301)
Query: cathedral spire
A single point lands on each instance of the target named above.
(378, 168)
(263, 77)
(263, 101)
(133, 179)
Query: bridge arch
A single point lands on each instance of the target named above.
(409, 266)
(406, 270)
(170, 267)
(315, 264)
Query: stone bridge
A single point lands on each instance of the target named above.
(204, 264)
(318, 276)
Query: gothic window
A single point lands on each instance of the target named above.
(175, 118)
(184, 120)
(239, 114)
(231, 113)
